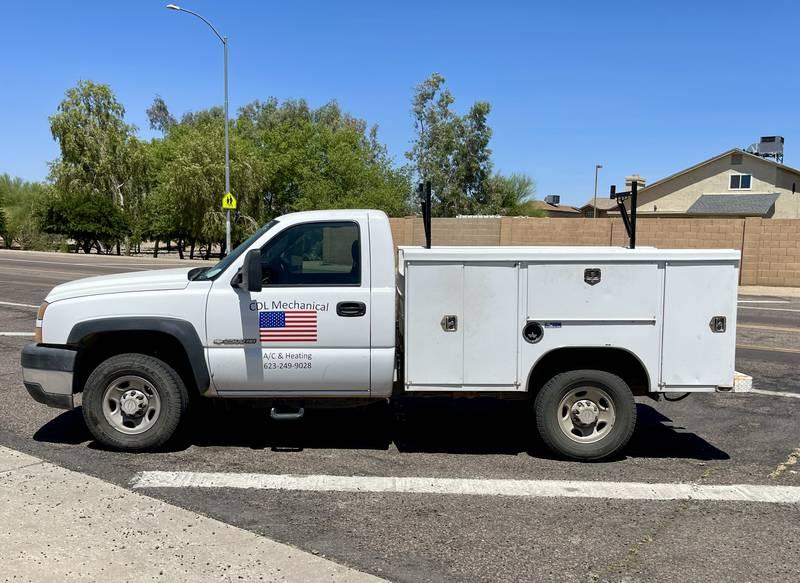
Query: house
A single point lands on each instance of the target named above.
(735, 183)
(554, 210)
(604, 205)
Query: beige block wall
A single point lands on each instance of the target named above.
(578, 231)
(770, 249)
(778, 253)
(677, 233)
(751, 242)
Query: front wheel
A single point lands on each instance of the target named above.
(134, 402)
(585, 414)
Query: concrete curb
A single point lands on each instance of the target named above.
(775, 292)
(60, 525)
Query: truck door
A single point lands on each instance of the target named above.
(308, 331)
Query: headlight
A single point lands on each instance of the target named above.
(39, 317)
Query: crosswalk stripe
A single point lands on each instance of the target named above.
(16, 305)
(472, 487)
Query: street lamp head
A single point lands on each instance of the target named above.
(598, 166)
(173, 7)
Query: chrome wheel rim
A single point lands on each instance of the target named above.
(586, 414)
(131, 404)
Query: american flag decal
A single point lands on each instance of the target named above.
(288, 326)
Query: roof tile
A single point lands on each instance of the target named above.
(753, 205)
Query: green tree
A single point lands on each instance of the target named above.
(3, 222)
(92, 221)
(189, 180)
(319, 158)
(22, 206)
(100, 156)
(511, 195)
(284, 157)
(159, 117)
(450, 150)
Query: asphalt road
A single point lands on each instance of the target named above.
(706, 439)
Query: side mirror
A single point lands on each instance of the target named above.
(251, 271)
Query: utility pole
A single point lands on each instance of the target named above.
(596, 170)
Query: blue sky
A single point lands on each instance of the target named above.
(646, 87)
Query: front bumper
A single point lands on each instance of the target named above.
(47, 374)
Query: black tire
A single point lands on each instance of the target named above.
(174, 400)
(549, 399)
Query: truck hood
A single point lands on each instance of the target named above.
(155, 280)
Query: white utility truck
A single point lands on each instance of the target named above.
(318, 308)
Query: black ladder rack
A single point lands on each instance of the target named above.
(629, 220)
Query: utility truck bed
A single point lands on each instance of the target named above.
(655, 304)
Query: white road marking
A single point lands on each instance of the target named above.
(16, 333)
(768, 348)
(767, 309)
(474, 487)
(19, 305)
(763, 301)
(766, 327)
(775, 393)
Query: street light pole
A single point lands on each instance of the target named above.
(224, 40)
(227, 154)
(596, 170)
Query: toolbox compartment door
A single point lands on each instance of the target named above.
(491, 330)
(434, 356)
(479, 351)
(695, 356)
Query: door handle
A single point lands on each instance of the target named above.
(351, 309)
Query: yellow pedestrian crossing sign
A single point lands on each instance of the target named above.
(229, 202)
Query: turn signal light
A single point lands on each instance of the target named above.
(42, 309)
(37, 333)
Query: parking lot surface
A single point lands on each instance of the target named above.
(705, 439)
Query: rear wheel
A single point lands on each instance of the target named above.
(585, 414)
(134, 402)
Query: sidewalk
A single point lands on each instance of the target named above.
(60, 525)
(777, 292)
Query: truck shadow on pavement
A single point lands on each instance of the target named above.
(474, 426)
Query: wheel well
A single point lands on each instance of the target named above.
(97, 347)
(617, 361)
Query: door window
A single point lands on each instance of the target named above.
(325, 253)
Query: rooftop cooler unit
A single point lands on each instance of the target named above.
(768, 147)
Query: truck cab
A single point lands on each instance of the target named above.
(323, 322)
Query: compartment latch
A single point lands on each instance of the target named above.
(449, 323)
(718, 324)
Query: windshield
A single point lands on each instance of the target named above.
(223, 264)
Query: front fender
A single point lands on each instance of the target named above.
(184, 332)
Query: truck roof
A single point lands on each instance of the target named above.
(330, 214)
(563, 253)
